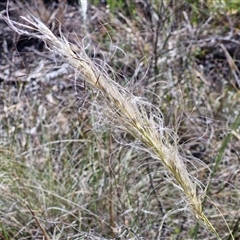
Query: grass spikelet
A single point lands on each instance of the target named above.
(126, 111)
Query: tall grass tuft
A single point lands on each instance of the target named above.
(126, 111)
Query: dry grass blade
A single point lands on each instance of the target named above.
(39, 224)
(135, 115)
(234, 69)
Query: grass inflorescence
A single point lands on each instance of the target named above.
(65, 177)
(128, 112)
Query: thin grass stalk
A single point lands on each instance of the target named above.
(135, 115)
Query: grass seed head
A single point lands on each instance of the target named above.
(125, 110)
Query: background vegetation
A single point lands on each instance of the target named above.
(66, 173)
